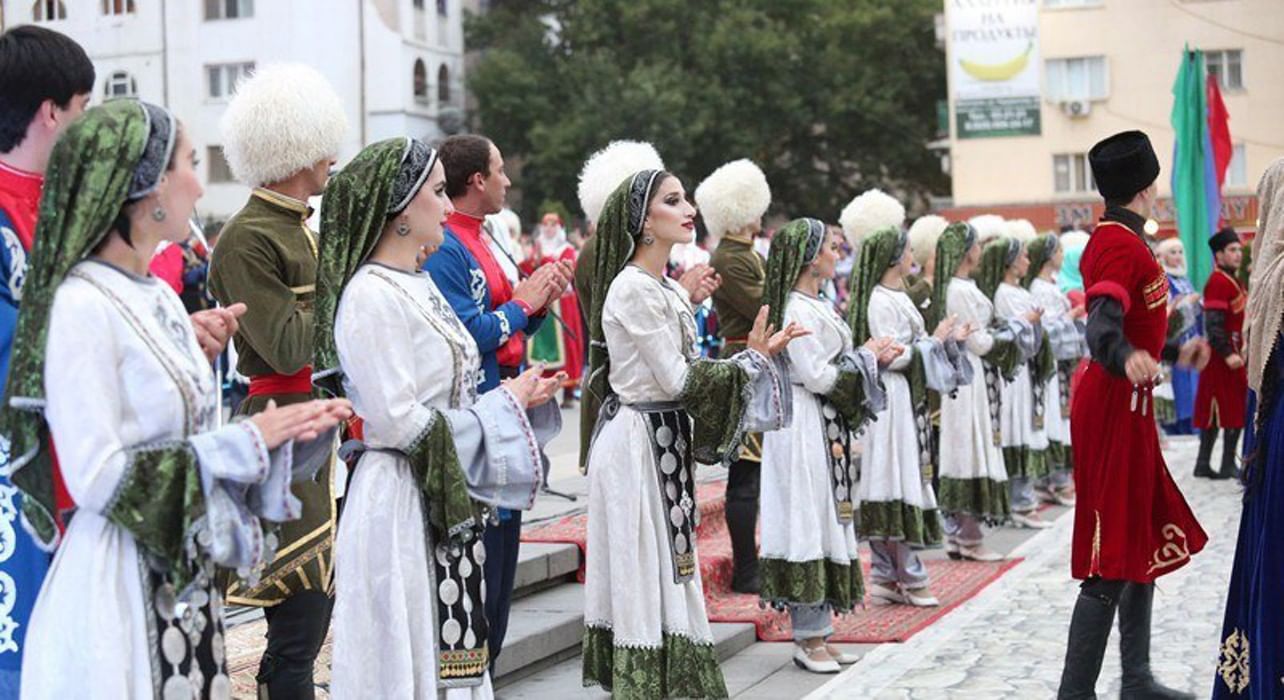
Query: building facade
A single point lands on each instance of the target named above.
(396, 64)
(1076, 71)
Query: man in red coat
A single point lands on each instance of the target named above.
(1223, 386)
(1132, 524)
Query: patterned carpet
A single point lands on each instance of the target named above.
(953, 582)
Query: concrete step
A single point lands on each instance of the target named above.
(543, 565)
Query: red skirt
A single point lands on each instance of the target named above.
(1131, 522)
(1222, 396)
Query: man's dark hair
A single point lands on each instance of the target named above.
(37, 64)
(462, 156)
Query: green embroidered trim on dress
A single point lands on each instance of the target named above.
(1026, 461)
(1060, 457)
(897, 520)
(716, 396)
(848, 396)
(984, 498)
(811, 582)
(452, 513)
(679, 668)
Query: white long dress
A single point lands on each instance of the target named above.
(1024, 445)
(407, 362)
(896, 502)
(1066, 341)
(124, 378)
(633, 606)
(973, 476)
(800, 525)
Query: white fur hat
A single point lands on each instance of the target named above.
(988, 226)
(923, 234)
(606, 169)
(870, 211)
(284, 118)
(511, 221)
(734, 196)
(1022, 230)
(1169, 244)
(1074, 239)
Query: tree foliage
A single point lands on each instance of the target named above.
(830, 97)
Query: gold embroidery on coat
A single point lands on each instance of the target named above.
(1172, 552)
(1232, 664)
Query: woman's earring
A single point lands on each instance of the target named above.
(814, 271)
(403, 228)
(647, 240)
(158, 214)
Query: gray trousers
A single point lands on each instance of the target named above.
(1021, 494)
(964, 529)
(811, 621)
(1055, 480)
(896, 562)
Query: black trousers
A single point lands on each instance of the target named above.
(296, 630)
(503, 541)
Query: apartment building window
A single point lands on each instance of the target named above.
(443, 8)
(118, 7)
(1072, 174)
(421, 81)
(1073, 3)
(221, 78)
(1237, 170)
(120, 84)
(219, 171)
(228, 9)
(1081, 78)
(419, 4)
(1228, 66)
(48, 10)
(443, 84)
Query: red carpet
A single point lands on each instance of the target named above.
(953, 582)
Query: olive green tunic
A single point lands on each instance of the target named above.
(267, 258)
(737, 302)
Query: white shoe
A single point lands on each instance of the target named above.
(1065, 496)
(1046, 495)
(803, 659)
(888, 593)
(841, 657)
(979, 553)
(952, 549)
(1030, 520)
(920, 597)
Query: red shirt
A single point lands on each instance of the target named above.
(468, 230)
(20, 199)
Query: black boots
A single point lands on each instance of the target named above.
(1094, 615)
(742, 523)
(1230, 446)
(1203, 468)
(1134, 647)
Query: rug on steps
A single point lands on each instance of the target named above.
(953, 582)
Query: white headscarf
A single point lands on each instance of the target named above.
(1266, 285)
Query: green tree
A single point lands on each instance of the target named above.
(830, 97)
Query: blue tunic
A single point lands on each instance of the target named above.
(22, 563)
(1185, 381)
(1251, 650)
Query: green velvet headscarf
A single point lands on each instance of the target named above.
(792, 248)
(358, 201)
(999, 253)
(87, 182)
(617, 230)
(879, 251)
(1041, 251)
(953, 245)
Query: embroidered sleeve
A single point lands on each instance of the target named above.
(858, 393)
(729, 398)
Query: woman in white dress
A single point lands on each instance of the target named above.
(898, 512)
(1021, 421)
(663, 410)
(973, 483)
(108, 365)
(1068, 343)
(809, 563)
(408, 618)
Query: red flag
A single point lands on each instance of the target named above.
(1218, 130)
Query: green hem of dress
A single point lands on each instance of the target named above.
(983, 498)
(680, 667)
(897, 520)
(1026, 462)
(811, 583)
(1060, 457)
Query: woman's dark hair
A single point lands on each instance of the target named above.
(121, 224)
(37, 64)
(463, 156)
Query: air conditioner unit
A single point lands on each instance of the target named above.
(1076, 108)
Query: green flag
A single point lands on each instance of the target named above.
(1190, 165)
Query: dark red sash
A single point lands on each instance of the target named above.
(298, 383)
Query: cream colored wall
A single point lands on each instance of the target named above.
(1143, 40)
